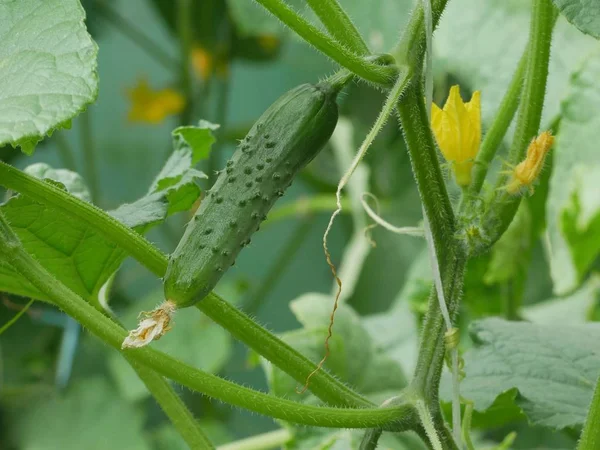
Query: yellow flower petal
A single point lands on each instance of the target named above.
(527, 171)
(457, 129)
(202, 62)
(153, 106)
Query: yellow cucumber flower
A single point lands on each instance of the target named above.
(528, 170)
(152, 106)
(457, 129)
(202, 62)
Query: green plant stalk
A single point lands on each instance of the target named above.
(184, 31)
(590, 436)
(64, 150)
(131, 31)
(325, 44)
(278, 267)
(89, 155)
(370, 439)
(339, 25)
(503, 206)
(242, 327)
(325, 386)
(307, 206)
(16, 317)
(426, 167)
(195, 379)
(265, 441)
(180, 416)
(410, 49)
(495, 134)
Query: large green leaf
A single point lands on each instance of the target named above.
(82, 418)
(584, 14)
(573, 212)
(76, 254)
(554, 368)
(481, 43)
(47, 68)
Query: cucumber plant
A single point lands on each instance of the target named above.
(483, 215)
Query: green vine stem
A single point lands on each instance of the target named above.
(495, 134)
(426, 167)
(278, 267)
(113, 230)
(180, 416)
(504, 206)
(339, 25)
(265, 441)
(89, 154)
(195, 379)
(410, 49)
(325, 386)
(237, 323)
(370, 439)
(136, 35)
(590, 437)
(325, 44)
(242, 327)
(304, 206)
(184, 31)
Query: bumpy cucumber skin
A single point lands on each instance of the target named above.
(285, 138)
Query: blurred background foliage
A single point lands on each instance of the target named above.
(241, 60)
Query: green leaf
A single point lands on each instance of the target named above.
(48, 69)
(75, 253)
(584, 14)
(353, 355)
(573, 213)
(504, 27)
(553, 367)
(195, 340)
(83, 418)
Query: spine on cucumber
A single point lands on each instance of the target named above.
(285, 138)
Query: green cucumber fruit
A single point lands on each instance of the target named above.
(285, 138)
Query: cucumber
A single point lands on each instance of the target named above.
(283, 140)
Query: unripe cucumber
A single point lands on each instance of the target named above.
(285, 138)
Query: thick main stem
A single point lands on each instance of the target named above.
(590, 437)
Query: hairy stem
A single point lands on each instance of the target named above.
(504, 206)
(278, 267)
(195, 379)
(426, 167)
(89, 155)
(495, 134)
(590, 437)
(325, 386)
(184, 30)
(180, 416)
(325, 44)
(339, 25)
(136, 35)
(265, 441)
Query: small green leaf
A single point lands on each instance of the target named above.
(553, 367)
(195, 340)
(573, 212)
(584, 14)
(81, 418)
(48, 69)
